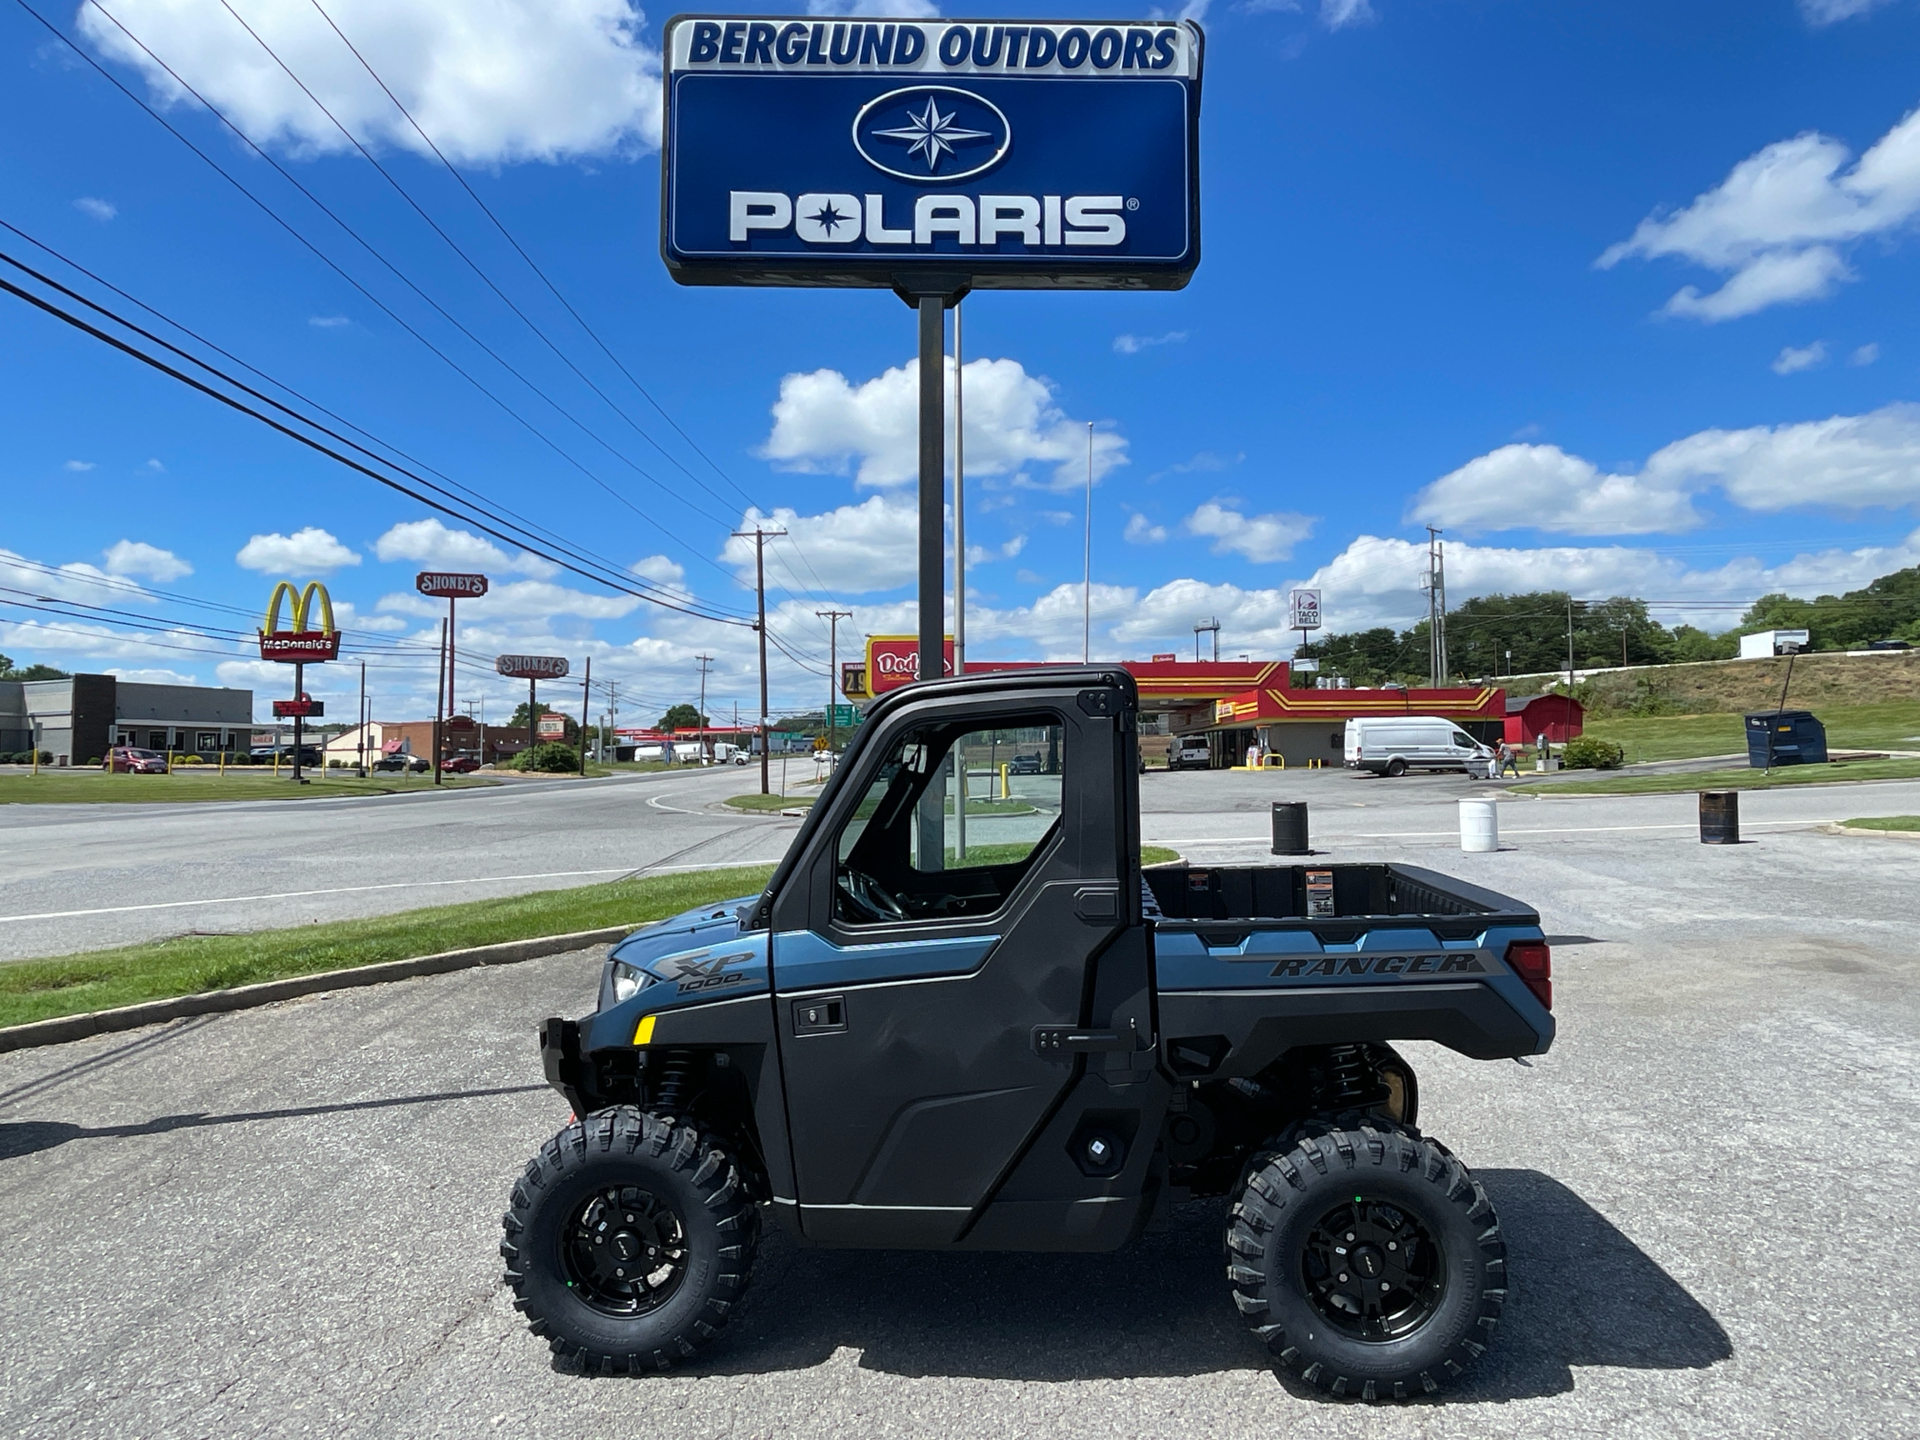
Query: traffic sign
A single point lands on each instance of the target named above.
(844, 717)
(862, 152)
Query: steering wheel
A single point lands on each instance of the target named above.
(870, 897)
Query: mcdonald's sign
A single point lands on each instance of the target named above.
(304, 644)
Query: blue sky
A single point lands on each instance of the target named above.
(1621, 296)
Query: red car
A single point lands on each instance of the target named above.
(125, 760)
(461, 765)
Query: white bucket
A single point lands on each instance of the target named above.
(1479, 826)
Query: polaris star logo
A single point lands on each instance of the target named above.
(936, 133)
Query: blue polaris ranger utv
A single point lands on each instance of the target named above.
(961, 1016)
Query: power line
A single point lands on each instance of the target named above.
(352, 464)
(554, 290)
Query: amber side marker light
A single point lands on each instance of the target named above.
(1532, 961)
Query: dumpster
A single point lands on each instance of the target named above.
(1785, 737)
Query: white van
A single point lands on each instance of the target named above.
(1190, 752)
(1395, 744)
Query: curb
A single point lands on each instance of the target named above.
(63, 1028)
(1868, 831)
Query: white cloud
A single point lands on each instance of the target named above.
(327, 322)
(307, 551)
(429, 542)
(1849, 461)
(1376, 581)
(1821, 13)
(982, 555)
(660, 570)
(154, 467)
(1790, 360)
(1776, 223)
(824, 424)
(135, 557)
(1338, 14)
(151, 677)
(78, 467)
(854, 549)
(491, 81)
(1142, 531)
(895, 9)
(1865, 355)
(98, 209)
(1134, 344)
(1260, 538)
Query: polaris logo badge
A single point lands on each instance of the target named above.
(1300, 967)
(837, 218)
(932, 133)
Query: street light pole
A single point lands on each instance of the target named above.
(760, 626)
(1086, 591)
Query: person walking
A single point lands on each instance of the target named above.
(1253, 756)
(1509, 760)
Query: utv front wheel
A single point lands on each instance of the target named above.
(1369, 1260)
(628, 1241)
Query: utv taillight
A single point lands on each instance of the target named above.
(1532, 961)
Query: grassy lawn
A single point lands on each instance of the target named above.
(1598, 783)
(103, 979)
(761, 804)
(96, 787)
(1891, 725)
(1885, 822)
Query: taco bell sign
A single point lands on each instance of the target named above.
(858, 152)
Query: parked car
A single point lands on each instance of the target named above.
(415, 763)
(1025, 765)
(125, 760)
(1190, 752)
(264, 755)
(461, 765)
(1395, 744)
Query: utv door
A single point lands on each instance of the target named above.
(931, 925)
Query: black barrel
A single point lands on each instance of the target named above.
(1719, 817)
(1290, 828)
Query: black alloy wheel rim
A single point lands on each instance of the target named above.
(1372, 1271)
(625, 1251)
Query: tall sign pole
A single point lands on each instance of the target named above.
(450, 586)
(586, 706)
(833, 619)
(959, 500)
(305, 644)
(700, 755)
(930, 157)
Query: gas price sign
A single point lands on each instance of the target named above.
(869, 152)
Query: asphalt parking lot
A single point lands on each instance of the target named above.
(283, 1221)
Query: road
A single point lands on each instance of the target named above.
(282, 1222)
(80, 877)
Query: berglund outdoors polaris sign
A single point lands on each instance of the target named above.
(858, 152)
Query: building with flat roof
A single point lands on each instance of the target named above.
(78, 719)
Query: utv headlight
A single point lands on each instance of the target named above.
(628, 981)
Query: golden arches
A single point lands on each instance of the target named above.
(302, 601)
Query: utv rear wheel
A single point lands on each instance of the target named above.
(1369, 1260)
(628, 1241)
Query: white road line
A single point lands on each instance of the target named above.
(337, 890)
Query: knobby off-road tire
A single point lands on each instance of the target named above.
(1369, 1260)
(628, 1241)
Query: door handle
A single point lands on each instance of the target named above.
(1058, 1042)
(1097, 902)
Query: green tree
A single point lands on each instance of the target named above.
(519, 719)
(683, 717)
(30, 672)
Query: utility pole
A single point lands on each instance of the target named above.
(1086, 588)
(1436, 588)
(361, 767)
(706, 662)
(1569, 644)
(959, 507)
(586, 717)
(760, 586)
(833, 619)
